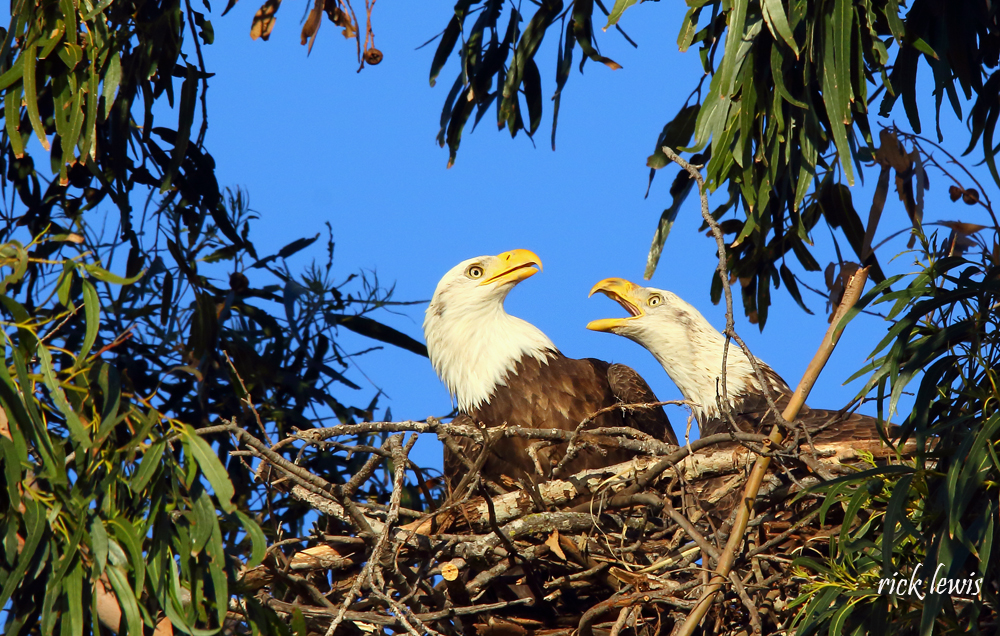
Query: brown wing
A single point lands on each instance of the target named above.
(834, 426)
(752, 415)
(750, 410)
(629, 387)
(558, 394)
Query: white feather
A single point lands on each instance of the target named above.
(472, 342)
(690, 350)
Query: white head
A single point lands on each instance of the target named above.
(688, 346)
(472, 342)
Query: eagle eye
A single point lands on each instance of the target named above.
(654, 300)
(474, 272)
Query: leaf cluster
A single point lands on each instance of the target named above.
(107, 500)
(124, 342)
(110, 385)
(934, 517)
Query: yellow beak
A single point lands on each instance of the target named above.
(512, 267)
(622, 292)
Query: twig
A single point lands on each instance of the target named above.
(724, 277)
(573, 449)
(622, 621)
(365, 576)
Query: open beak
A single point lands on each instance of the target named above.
(622, 292)
(513, 267)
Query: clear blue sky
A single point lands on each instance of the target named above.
(314, 141)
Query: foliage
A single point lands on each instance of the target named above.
(124, 345)
(123, 375)
(103, 490)
(934, 517)
(119, 375)
(784, 118)
(74, 78)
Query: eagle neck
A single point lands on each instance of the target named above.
(691, 351)
(476, 350)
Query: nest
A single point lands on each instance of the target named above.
(621, 549)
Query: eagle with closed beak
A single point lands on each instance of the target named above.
(505, 371)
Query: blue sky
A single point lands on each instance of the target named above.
(313, 141)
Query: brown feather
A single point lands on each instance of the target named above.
(629, 388)
(751, 413)
(559, 394)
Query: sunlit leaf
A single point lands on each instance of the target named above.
(210, 466)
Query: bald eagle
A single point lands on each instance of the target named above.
(690, 350)
(503, 370)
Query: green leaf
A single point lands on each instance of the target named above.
(778, 74)
(617, 11)
(734, 38)
(25, 416)
(788, 278)
(35, 525)
(445, 47)
(11, 469)
(112, 78)
(100, 7)
(583, 31)
(220, 584)
(891, 12)
(257, 540)
(92, 314)
(88, 148)
(12, 119)
(777, 23)
(859, 499)
(299, 627)
(533, 95)
(105, 276)
(836, 84)
(377, 331)
(126, 600)
(204, 521)
(148, 466)
(210, 466)
(181, 141)
(676, 134)
(129, 536)
(76, 427)
(31, 94)
(75, 127)
(839, 618)
(70, 54)
(73, 593)
(564, 64)
(894, 512)
(99, 543)
(296, 246)
(688, 29)
(14, 251)
(11, 75)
